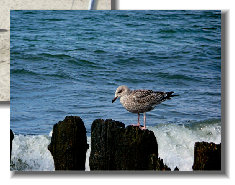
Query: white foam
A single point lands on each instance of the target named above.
(176, 142)
(50, 134)
(87, 167)
(30, 153)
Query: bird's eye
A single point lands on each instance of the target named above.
(120, 91)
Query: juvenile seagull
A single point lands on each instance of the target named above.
(140, 101)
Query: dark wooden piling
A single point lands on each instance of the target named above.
(207, 156)
(114, 147)
(69, 144)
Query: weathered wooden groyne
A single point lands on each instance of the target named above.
(116, 147)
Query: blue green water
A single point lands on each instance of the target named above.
(71, 62)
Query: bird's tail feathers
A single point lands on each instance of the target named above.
(170, 94)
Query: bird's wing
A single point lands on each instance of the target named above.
(150, 96)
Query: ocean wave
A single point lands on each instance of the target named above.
(52, 20)
(30, 153)
(26, 12)
(176, 76)
(86, 64)
(123, 15)
(60, 75)
(60, 56)
(167, 31)
(176, 141)
(23, 71)
(99, 51)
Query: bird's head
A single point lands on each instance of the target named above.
(121, 91)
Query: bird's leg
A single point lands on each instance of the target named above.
(138, 124)
(143, 128)
(138, 119)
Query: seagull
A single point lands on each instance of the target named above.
(141, 100)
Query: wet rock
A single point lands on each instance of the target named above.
(176, 169)
(207, 156)
(69, 144)
(11, 138)
(161, 166)
(114, 147)
(156, 163)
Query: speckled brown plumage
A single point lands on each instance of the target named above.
(140, 101)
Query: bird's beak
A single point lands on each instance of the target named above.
(114, 99)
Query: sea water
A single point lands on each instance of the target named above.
(71, 62)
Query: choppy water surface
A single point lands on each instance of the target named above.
(71, 62)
